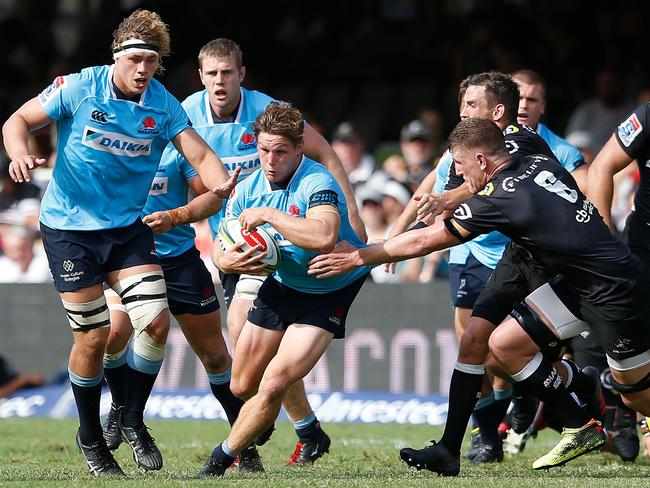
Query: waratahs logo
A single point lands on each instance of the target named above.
(247, 141)
(294, 210)
(149, 125)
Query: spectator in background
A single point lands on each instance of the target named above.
(372, 212)
(19, 204)
(12, 381)
(395, 167)
(418, 149)
(20, 262)
(436, 122)
(350, 146)
(600, 115)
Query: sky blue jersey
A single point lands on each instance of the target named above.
(234, 142)
(566, 153)
(108, 149)
(309, 183)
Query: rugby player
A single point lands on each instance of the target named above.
(535, 202)
(224, 112)
(294, 316)
(113, 123)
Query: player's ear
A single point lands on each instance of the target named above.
(499, 111)
(242, 74)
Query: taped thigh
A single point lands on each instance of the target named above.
(88, 315)
(554, 313)
(144, 295)
(248, 286)
(114, 302)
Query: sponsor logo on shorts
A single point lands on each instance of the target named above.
(69, 276)
(629, 130)
(115, 143)
(207, 301)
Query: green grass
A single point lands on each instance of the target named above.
(41, 452)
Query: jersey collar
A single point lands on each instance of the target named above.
(208, 108)
(109, 86)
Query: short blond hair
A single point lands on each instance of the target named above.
(221, 48)
(281, 119)
(147, 26)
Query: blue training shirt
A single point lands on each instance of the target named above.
(235, 144)
(108, 149)
(309, 180)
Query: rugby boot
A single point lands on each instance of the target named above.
(111, 427)
(145, 451)
(249, 460)
(475, 444)
(626, 438)
(573, 443)
(212, 467)
(99, 459)
(487, 454)
(435, 457)
(264, 437)
(307, 452)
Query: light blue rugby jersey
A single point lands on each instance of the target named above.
(234, 142)
(309, 179)
(108, 149)
(488, 248)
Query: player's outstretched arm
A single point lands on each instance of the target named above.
(15, 132)
(600, 180)
(409, 214)
(205, 204)
(399, 248)
(430, 206)
(317, 148)
(206, 163)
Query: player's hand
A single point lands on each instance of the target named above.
(341, 260)
(20, 167)
(236, 260)
(430, 206)
(251, 218)
(223, 191)
(159, 222)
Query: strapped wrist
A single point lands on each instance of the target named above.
(179, 216)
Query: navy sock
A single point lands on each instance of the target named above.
(223, 458)
(308, 429)
(464, 391)
(87, 394)
(488, 419)
(220, 386)
(116, 379)
(138, 389)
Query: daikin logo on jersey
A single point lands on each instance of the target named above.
(115, 143)
(248, 163)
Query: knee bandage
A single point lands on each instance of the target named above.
(115, 360)
(145, 347)
(552, 311)
(87, 315)
(248, 286)
(113, 301)
(144, 296)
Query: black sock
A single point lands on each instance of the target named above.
(138, 389)
(464, 392)
(230, 403)
(540, 379)
(581, 384)
(116, 379)
(87, 399)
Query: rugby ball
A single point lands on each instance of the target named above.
(230, 231)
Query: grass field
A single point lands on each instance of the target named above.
(41, 452)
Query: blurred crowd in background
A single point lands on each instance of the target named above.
(379, 79)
